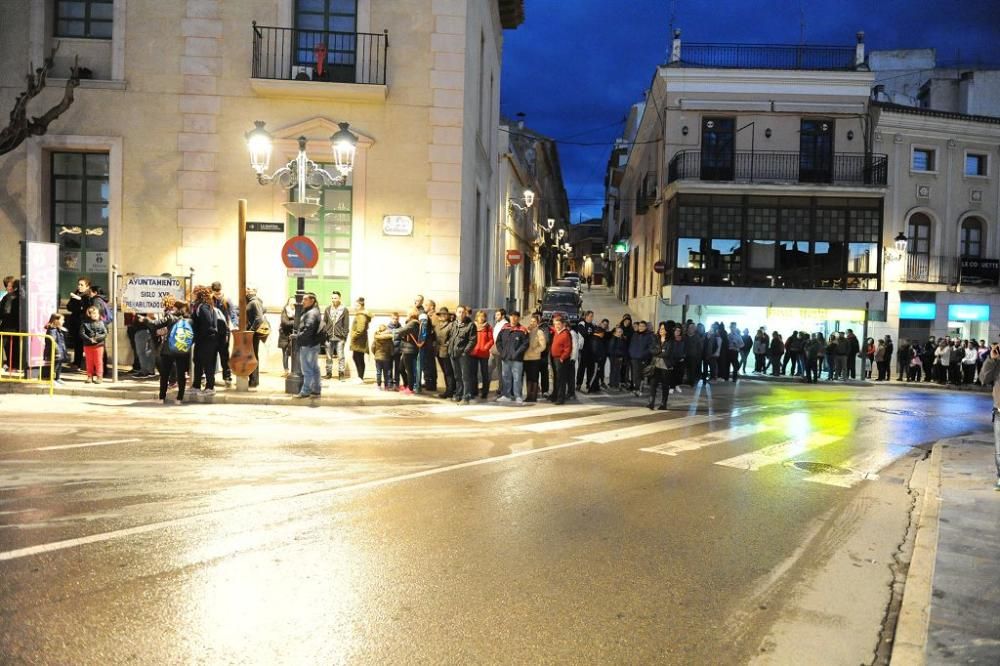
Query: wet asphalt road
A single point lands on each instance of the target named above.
(598, 533)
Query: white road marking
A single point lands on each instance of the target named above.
(776, 453)
(606, 436)
(108, 442)
(711, 438)
(516, 413)
(320, 492)
(594, 419)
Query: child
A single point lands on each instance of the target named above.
(617, 350)
(58, 333)
(93, 332)
(382, 351)
(395, 327)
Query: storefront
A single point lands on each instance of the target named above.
(923, 314)
(969, 321)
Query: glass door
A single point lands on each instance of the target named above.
(717, 148)
(816, 151)
(326, 31)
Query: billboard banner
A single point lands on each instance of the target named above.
(41, 294)
(144, 293)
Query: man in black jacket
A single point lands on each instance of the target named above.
(336, 324)
(308, 339)
(511, 345)
(255, 317)
(460, 345)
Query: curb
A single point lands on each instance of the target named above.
(230, 398)
(910, 638)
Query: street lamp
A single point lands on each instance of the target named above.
(900, 242)
(528, 199)
(300, 174)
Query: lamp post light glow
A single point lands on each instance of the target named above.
(550, 223)
(901, 242)
(300, 174)
(529, 198)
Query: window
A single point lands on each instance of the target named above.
(923, 160)
(975, 164)
(331, 231)
(717, 148)
(79, 223)
(816, 150)
(971, 241)
(329, 24)
(92, 19)
(689, 254)
(918, 247)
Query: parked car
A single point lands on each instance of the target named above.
(561, 300)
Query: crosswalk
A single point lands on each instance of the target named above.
(768, 440)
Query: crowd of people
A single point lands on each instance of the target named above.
(461, 353)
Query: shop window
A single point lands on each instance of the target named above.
(79, 215)
(862, 257)
(88, 19)
(923, 159)
(725, 260)
(727, 221)
(971, 241)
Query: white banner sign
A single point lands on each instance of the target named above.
(144, 293)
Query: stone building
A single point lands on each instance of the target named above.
(145, 169)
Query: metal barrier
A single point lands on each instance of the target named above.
(16, 356)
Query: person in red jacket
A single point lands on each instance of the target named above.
(481, 355)
(562, 352)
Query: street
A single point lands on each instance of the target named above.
(597, 532)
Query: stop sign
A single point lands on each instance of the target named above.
(660, 266)
(514, 257)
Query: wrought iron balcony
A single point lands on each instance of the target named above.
(291, 54)
(779, 167)
(969, 271)
(768, 56)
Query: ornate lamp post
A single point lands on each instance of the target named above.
(299, 174)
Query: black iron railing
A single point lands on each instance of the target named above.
(768, 56)
(971, 271)
(292, 54)
(767, 166)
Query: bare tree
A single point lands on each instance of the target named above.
(21, 127)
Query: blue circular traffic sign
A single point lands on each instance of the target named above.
(300, 252)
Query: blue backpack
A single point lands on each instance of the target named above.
(180, 338)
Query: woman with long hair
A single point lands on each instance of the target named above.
(481, 354)
(204, 321)
(662, 351)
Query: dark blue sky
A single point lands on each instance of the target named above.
(577, 65)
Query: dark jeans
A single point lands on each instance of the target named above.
(617, 363)
(470, 366)
(482, 367)
(408, 369)
(564, 380)
(449, 375)
(178, 365)
(532, 371)
(227, 374)
(852, 362)
(596, 373)
(734, 363)
(383, 372)
(637, 364)
(883, 370)
(759, 362)
(459, 374)
(359, 363)
(693, 371)
(429, 369)
(205, 353)
(661, 379)
(812, 370)
(255, 375)
(396, 363)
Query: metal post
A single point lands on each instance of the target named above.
(293, 382)
(864, 342)
(114, 323)
(242, 382)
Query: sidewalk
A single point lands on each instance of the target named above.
(951, 604)
(270, 392)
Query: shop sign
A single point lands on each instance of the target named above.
(144, 293)
(980, 271)
(621, 247)
(97, 262)
(968, 312)
(397, 225)
(816, 314)
(927, 311)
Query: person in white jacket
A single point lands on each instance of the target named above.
(942, 359)
(969, 362)
(574, 359)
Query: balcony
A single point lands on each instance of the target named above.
(319, 64)
(845, 169)
(769, 56)
(967, 271)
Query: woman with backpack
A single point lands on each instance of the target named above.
(175, 352)
(205, 324)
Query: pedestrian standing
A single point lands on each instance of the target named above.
(460, 347)
(230, 322)
(585, 328)
(261, 329)
(358, 341)
(534, 365)
(94, 333)
(205, 324)
(512, 343)
(662, 355)
(617, 355)
(499, 321)
(175, 351)
(971, 349)
(429, 352)
(760, 345)
(775, 351)
(597, 351)
(285, 329)
(735, 344)
(482, 353)
(853, 349)
(628, 330)
(903, 356)
(881, 362)
(409, 337)
(395, 327)
(678, 360)
(77, 304)
(561, 352)
(694, 350)
(382, 353)
(442, 337)
(336, 325)
(55, 349)
(812, 349)
(639, 355)
(308, 338)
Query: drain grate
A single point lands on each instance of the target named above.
(819, 467)
(901, 412)
(406, 412)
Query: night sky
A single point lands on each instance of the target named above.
(576, 66)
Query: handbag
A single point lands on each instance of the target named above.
(263, 330)
(648, 370)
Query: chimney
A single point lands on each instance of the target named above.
(520, 120)
(859, 50)
(675, 48)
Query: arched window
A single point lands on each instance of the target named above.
(971, 239)
(918, 233)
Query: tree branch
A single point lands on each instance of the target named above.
(20, 128)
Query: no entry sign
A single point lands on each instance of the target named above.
(514, 257)
(660, 266)
(300, 252)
